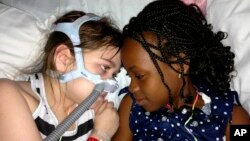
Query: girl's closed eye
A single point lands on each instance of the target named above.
(104, 68)
(139, 76)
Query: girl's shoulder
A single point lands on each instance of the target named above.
(18, 90)
(15, 111)
(9, 87)
(243, 119)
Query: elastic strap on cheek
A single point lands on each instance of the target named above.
(71, 29)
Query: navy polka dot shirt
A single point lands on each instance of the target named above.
(206, 124)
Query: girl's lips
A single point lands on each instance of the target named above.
(140, 101)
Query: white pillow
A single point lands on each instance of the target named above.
(22, 37)
(19, 40)
(40, 9)
(119, 10)
(233, 17)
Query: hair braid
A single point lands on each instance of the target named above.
(183, 29)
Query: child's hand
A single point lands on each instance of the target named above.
(98, 103)
(106, 122)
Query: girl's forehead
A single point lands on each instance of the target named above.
(107, 52)
(110, 52)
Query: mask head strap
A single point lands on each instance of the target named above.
(71, 29)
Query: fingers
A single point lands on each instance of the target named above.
(107, 114)
(105, 105)
(95, 106)
(100, 104)
(110, 104)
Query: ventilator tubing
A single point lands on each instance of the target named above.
(76, 113)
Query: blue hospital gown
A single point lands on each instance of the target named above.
(163, 125)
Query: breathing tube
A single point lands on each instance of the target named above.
(71, 29)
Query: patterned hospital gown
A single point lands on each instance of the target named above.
(203, 126)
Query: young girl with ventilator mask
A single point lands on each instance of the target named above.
(82, 51)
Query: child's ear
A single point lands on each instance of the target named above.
(62, 58)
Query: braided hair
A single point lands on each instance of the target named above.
(183, 29)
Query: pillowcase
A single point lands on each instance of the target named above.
(119, 10)
(40, 9)
(233, 17)
(19, 40)
(22, 37)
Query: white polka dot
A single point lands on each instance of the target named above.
(184, 111)
(155, 128)
(164, 118)
(225, 113)
(195, 123)
(140, 139)
(225, 93)
(217, 139)
(217, 98)
(216, 128)
(172, 125)
(202, 130)
(208, 90)
(150, 120)
(178, 124)
(215, 107)
(146, 117)
(201, 122)
(160, 139)
(139, 113)
(176, 117)
(164, 129)
(145, 129)
(136, 121)
(226, 104)
(177, 135)
(137, 130)
(147, 113)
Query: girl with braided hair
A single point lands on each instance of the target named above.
(180, 77)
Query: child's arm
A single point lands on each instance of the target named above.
(123, 133)
(16, 122)
(239, 117)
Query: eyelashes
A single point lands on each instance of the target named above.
(137, 76)
(105, 68)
